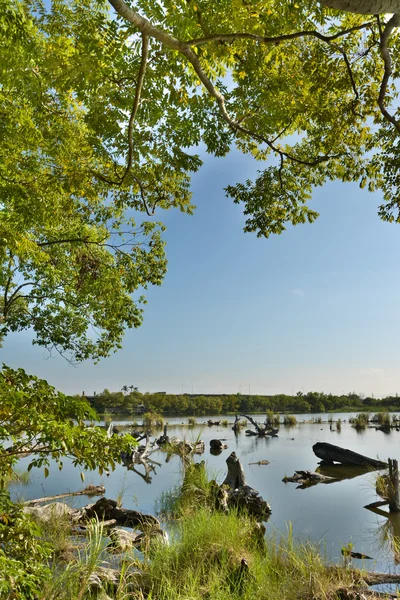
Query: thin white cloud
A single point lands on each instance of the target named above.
(372, 371)
(297, 292)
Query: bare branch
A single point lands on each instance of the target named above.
(232, 37)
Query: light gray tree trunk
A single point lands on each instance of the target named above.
(364, 7)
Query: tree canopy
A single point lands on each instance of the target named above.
(105, 106)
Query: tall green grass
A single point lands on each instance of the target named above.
(221, 556)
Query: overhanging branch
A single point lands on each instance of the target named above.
(387, 61)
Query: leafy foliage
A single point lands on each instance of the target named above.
(23, 559)
(50, 425)
(47, 426)
(102, 112)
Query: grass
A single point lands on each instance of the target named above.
(289, 420)
(221, 556)
(360, 422)
(272, 419)
(211, 555)
(151, 420)
(383, 419)
(192, 421)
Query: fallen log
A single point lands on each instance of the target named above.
(90, 490)
(308, 478)
(329, 453)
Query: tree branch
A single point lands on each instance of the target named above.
(136, 101)
(231, 37)
(185, 48)
(387, 61)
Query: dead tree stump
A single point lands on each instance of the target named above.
(394, 496)
(235, 477)
(241, 495)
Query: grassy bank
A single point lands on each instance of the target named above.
(211, 555)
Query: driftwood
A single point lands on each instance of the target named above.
(105, 510)
(359, 555)
(140, 455)
(54, 512)
(90, 490)
(330, 453)
(260, 430)
(260, 462)
(211, 423)
(236, 426)
(394, 496)
(164, 438)
(240, 494)
(308, 478)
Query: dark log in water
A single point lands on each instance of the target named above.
(330, 453)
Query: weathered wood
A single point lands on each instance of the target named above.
(394, 497)
(241, 495)
(164, 438)
(380, 578)
(330, 453)
(376, 504)
(236, 426)
(53, 512)
(235, 477)
(308, 478)
(105, 509)
(90, 490)
(260, 430)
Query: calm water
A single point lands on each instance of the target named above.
(330, 514)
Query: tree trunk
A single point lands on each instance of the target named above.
(330, 453)
(364, 7)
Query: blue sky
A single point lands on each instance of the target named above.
(316, 308)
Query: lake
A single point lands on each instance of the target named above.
(332, 514)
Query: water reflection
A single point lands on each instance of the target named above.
(331, 513)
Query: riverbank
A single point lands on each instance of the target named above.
(210, 555)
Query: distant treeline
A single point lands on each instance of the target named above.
(135, 402)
